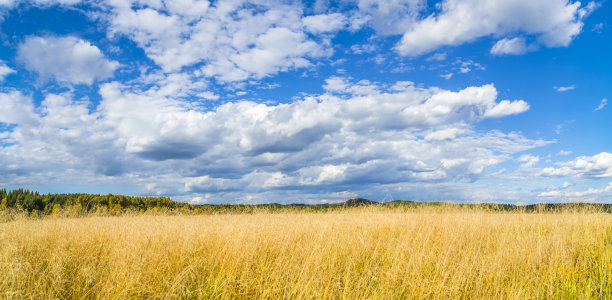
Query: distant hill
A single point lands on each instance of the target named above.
(355, 203)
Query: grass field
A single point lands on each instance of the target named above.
(356, 253)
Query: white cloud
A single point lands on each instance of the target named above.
(447, 76)
(324, 23)
(60, 134)
(393, 134)
(572, 195)
(362, 49)
(563, 127)
(506, 108)
(8, 3)
(564, 88)
(462, 21)
(55, 2)
(437, 57)
(602, 104)
(16, 108)
(5, 71)
(513, 46)
(201, 199)
(588, 167)
(187, 8)
(232, 41)
(209, 95)
(466, 65)
(564, 152)
(275, 50)
(598, 28)
(528, 160)
(566, 185)
(446, 134)
(67, 59)
(339, 84)
(12, 3)
(390, 17)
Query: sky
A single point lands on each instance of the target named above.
(308, 102)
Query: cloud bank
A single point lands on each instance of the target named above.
(389, 134)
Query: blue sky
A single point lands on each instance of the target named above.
(314, 101)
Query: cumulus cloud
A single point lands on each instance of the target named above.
(240, 40)
(232, 41)
(587, 167)
(57, 139)
(324, 23)
(602, 104)
(16, 108)
(462, 21)
(513, 46)
(318, 145)
(506, 108)
(67, 59)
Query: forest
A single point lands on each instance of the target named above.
(47, 204)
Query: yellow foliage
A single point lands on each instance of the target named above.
(114, 209)
(57, 209)
(75, 210)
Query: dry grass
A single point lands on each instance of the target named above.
(354, 254)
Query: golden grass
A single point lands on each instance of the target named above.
(354, 254)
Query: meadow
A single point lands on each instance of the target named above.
(354, 253)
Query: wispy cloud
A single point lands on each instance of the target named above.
(598, 28)
(515, 46)
(437, 57)
(603, 104)
(564, 88)
(562, 127)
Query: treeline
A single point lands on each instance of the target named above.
(22, 201)
(31, 202)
